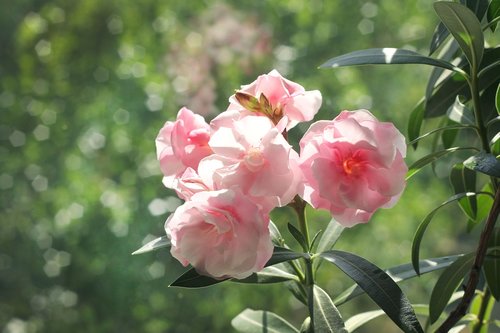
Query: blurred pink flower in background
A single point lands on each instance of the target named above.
(221, 38)
(181, 144)
(221, 234)
(287, 98)
(352, 166)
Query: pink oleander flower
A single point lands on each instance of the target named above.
(221, 234)
(181, 144)
(352, 166)
(276, 97)
(251, 154)
(190, 183)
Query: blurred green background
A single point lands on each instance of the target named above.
(84, 88)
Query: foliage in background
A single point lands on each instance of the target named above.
(85, 85)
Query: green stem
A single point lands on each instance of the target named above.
(485, 300)
(461, 309)
(297, 270)
(299, 206)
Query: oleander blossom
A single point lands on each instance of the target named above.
(181, 144)
(287, 98)
(221, 234)
(352, 166)
(251, 154)
(190, 183)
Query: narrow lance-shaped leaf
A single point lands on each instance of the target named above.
(445, 94)
(418, 165)
(478, 7)
(484, 163)
(400, 273)
(281, 254)
(153, 245)
(298, 236)
(330, 236)
(465, 28)
(379, 286)
(271, 274)
(493, 12)
(275, 234)
(460, 113)
(327, 317)
(386, 56)
(439, 36)
(192, 279)
(497, 99)
(448, 136)
(356, 321)
(492, 265)
(464, 180)
(258, 321)
(447, 284)
(419, 234)
(415, 122)
(438, 74)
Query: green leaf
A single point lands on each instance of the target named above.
(464, 180)
(281, 254)
(271, 274)
(400, 273)
(419, 234)
(386, 56)
(192, 279)
(275, 234)
(492, 266)
(432, 157)
(447, 284)
(497, 99)
(326, 317)
(460, 113)
(475, 309)
(448, 52)
(484, 203)
(441, 129)
(465, 28)
(315, 241)
(448, 136)
(415, 123)
(493, 12)
(306, 325)
(484, 163)
(479, 7)
(296, 289)
(439, 36)
(298, 236)
(330, 236)
(154, 245)
(360, 319)
(455, 84)
(258, 321)
(379, 286)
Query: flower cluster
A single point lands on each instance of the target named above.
(235, 170)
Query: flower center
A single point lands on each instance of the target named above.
(352, 166)
(254, 159)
